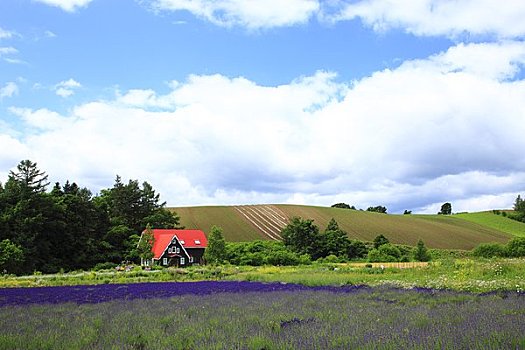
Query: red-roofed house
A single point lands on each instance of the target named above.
(172, 247)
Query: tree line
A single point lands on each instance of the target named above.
(69, 228)
(303, 242)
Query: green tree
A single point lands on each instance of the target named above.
(357, 249)
(11, 256)
(377, 209)
(335, 240)
(380, 240)
(130, 208)
(446, 209)
(145, 244)
(302, 237)
(421, 252)
(215, 253)
(519, 204)
(343, 206)
(29, 217)
(519, 210)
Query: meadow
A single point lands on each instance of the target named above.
(251, 315)
(463, 274)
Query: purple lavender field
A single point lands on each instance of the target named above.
(246, 315)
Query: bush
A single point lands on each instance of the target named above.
(516, 247)
(490, 250)
(283, 257)
(385, 253)
(104, 266)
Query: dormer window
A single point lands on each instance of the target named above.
(197, 241)
(182, 242)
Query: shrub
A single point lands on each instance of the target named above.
(490, 250)
(385, 253)
(283, 257)
(516, 247)
(104, 266)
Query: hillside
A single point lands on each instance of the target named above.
(244, 223)
(498, 222)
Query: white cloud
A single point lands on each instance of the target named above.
(8, 51)
(446, 128)
(252, 14)
(42, 119)
(9, 90)
(440, 17)
(6, 34)
(66, 5)
(67, 88)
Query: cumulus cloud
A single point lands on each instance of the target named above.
(66, 5)
(253, 14)
(445, 128)
(439, 17)
(10, 89)
(67, 88)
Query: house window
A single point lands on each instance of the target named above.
(182, 261)
(164, 261)
(191, 259)
(178, 250)
(182, 242)
(170, 250)
(197, 241)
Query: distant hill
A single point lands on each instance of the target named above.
(249, 222)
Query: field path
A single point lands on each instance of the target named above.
(267, 219)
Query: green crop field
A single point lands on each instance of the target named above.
(498, 222)
(462, 231)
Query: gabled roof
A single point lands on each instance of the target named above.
(187, 238)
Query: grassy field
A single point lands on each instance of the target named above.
(472, 275)
(437, 231)
(498, 222)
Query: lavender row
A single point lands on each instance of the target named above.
(89, 294)
(361, 318)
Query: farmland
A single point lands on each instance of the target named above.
(437, 231)
(237, 315)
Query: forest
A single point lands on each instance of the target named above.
(66, 227)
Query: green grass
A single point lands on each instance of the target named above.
(474, 275)
(437, 231)
(498, 222)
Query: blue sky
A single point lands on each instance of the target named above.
(406, 105)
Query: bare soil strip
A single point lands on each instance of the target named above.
(256, 222)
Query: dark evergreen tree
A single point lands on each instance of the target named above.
(130, 208)
(421, 252)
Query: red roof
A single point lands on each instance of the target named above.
(187, 238)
